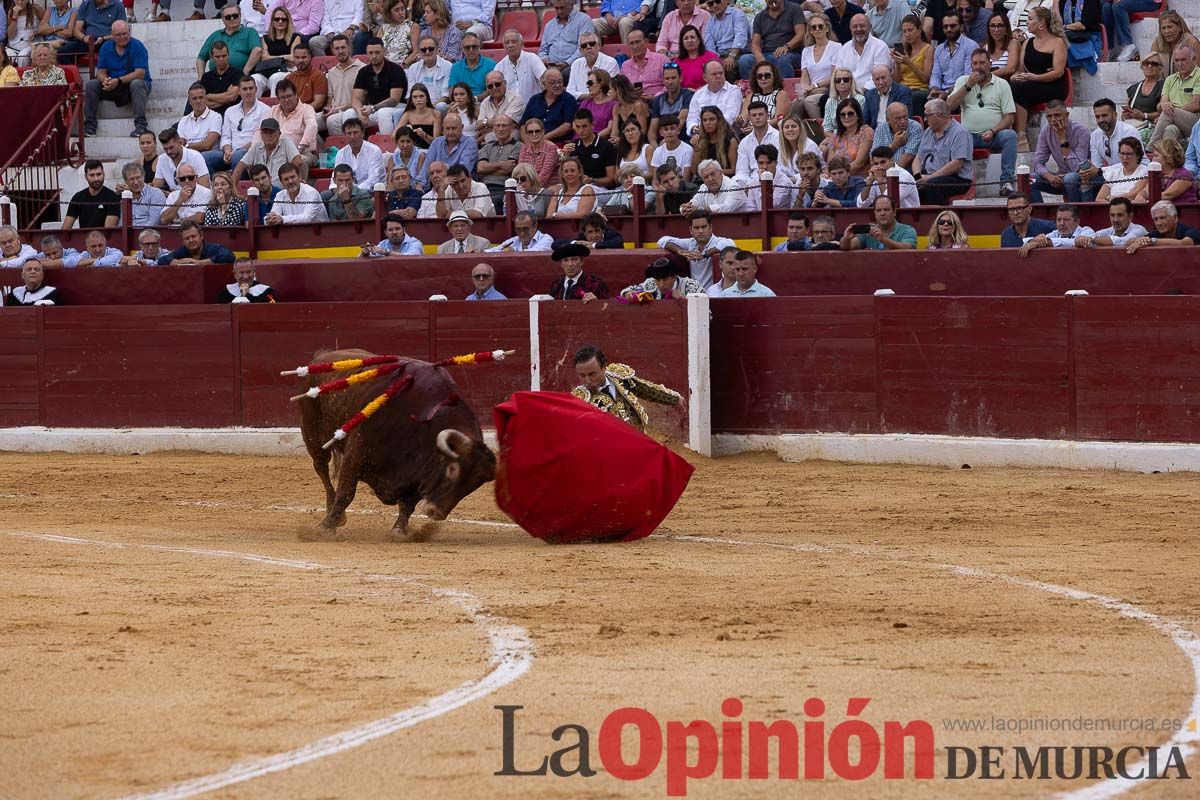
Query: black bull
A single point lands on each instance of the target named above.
(422, 445)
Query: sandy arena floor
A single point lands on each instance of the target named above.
(133, 669)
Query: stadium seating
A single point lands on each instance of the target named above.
(524, 22)
(384, 141)
(1138, 16)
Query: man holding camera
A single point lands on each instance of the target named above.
(885, 233)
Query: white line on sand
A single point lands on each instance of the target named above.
(510, 656)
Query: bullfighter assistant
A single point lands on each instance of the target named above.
(615, 388)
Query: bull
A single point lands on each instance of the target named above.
(422, 445)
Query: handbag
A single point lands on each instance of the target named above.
(269, 66)
(1078, 37)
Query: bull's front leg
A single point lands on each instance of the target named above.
(347, 485)
(401, 531)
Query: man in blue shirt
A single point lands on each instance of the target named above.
(951, 58)
(618, 16)
(483, 278)
(260, 175)
(560, 37)
(797, 234)
(554, 107)
(1023, 226)
(122, 76)
(397, 243)
(727, 34)
(452, 147)
(473, 68)
(195, 252)
(94, 19)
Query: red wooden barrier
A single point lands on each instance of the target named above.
(1137, 368)
(272, 338)
(794, 364)
(521, 275)
(973, 366)
(651, 339)
(1122, 368)
(114, 367)
(19, 352)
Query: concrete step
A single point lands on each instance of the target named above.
(171, 108)
(120, 128)
(113, 148)
(174, 31)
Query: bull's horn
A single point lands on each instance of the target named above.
(450, 441)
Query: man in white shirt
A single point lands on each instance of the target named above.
(863, 53)
(528, 237)
(433, 71)
(341, 16)
(176, 154)
(437, 182)
(700, 249)
(499, 101)
(522, 70)
(365, 158)
(1122, 230)
(1067, 229)
(14, 252)
(397, 243)
(882, 160)
(783, 190)
(718, 194)
(201, 127)
(463, 194)
(761, 132)
(189, 201)
(592, 58)
(297, 203)
(715, 92)
(241, 121)
(1106, 138)
(474, 16)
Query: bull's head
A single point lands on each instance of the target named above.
(465, 464)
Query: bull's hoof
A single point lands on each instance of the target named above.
(323, 534)
(402, 535)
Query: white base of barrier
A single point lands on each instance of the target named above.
(955, 451)
(136, 441)
(945, 451)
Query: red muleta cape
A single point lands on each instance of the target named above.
(568, 471)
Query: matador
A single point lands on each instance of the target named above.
(615, 388)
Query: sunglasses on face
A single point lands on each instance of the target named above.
(841, 80)
(470, 47)
(591, 83)
(494, 85)
(428, 49)
(588, 44)
(848, 115)
(1151, 64)
(277, 19)
(945, 222)
(816, 27)
(182, 178)
(232, 16)
(523, 179)
(481, 277)
(533, 130)
(764, 76)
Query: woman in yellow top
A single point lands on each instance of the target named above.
(8, 73)
(913, 60)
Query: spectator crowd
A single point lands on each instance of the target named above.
(700, 103)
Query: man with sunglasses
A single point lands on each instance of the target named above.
(244, 43)
(778, 36)
(988, 112)
(432, 71)
(483, 278)
(188, 202)
(498, 102)
(1022, 225)
(520, 70)
(593, 58)
(472, 67)
(727, 34)
(341, 17)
